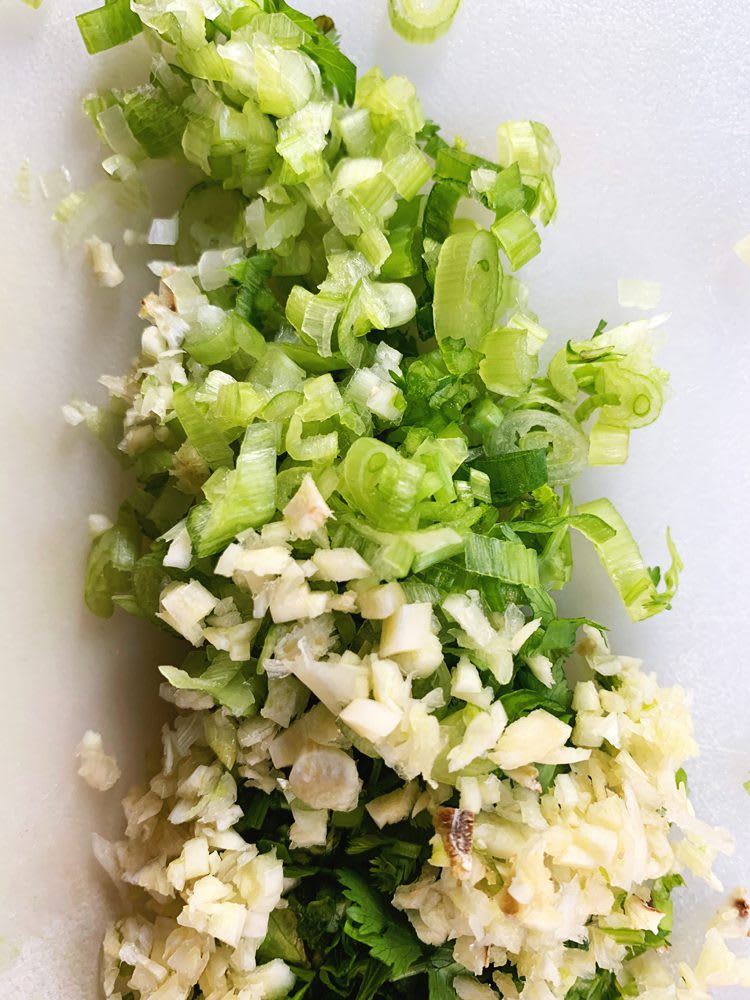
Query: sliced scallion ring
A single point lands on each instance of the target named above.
(522, 430)
(467, 281)
(422, 20)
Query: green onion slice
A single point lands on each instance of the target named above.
(522, 430)
(422, 20)
(514, 474)
(108, 26)
(622, 559)
(467, 282)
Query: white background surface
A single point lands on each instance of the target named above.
(650, 104)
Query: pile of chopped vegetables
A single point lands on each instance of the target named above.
(353, 502)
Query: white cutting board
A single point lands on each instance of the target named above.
(650, 104)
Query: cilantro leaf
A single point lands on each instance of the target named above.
(395, 863)
(527, 694)
(372, 921)
(282, 940)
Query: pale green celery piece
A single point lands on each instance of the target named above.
(422, 21)
(560, 374)
(118, 134)
(280, 29)
(374, 247)
(390, 100)
(467, 281)
(287, 79)
(202, 433)
(224, 680)
(302, 138)
(382, 484)
(268, 225)
(315, 448)
(508, 364)
(405, 165)
(640, 397)
(237, 405)
(624, 564)
(608, 444)
(505, 560)
(531, 146)
(107, 26)
(517, 236)
(536, 334)
(248, 494)
(356, 131)
(321, 316)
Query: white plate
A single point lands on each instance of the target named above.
(650, 105)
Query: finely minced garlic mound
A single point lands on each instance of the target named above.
(560, 882)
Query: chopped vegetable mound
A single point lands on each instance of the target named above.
(352, 502)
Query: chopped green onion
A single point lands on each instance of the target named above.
(201, 432)
(111, 562)
(530, 145)
(513, 475)
(247, 498)
(622, 560)
(508, 365)
(505, 560)
(422, 20)
(456, 164)
(108, 26)
(440, 208)
(505, 191)
(608, 444)
(522, 430)
(517, 236)
(467, 282)
(384, 486)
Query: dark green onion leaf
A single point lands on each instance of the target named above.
(430, 140)
(514, 474)
(457, 165)
(507, 193)
(254, 299)
(442, 202)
